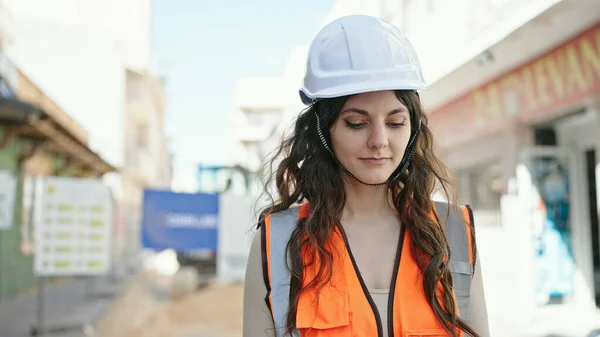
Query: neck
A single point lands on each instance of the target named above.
(366, 201)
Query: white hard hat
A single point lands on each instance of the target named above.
(360, 53)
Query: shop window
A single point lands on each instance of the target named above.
(481, 187)
(141, 135)
(545, 136)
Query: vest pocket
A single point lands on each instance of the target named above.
(425, 332)
(324, 314)
(461, 277)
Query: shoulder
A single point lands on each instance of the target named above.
(443, 210)
(457, 223)
(256, 244)
(293, 213)
(277, 226)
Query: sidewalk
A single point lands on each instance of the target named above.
(566, 321)
(69, 306)
(502, 290)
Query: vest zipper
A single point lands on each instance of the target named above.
(391, 295)
(363, 285)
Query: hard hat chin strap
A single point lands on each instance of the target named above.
(408, 154)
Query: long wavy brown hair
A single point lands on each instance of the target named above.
(303, 170)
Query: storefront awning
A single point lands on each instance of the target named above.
(29, 122)
(13, 111)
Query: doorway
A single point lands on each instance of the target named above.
(590, 164)
(546, 177)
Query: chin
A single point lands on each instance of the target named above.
(372, 177)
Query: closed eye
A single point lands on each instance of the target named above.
(397, 125)
(355, 125)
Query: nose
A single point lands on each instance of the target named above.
(378, 138)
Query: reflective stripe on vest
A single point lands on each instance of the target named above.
(282, 224)
(281, 227)
(461, 266)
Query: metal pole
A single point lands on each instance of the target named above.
(2, 260)
(41, 303)
(39, 329)
(90, 287)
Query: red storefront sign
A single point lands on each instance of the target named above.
(553, 81)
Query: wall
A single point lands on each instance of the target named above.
(82, 74)
(16, 270)
(237, 214)
(147, 161)
(87, 44)
(126, 22)
(538, 90)
(461, 29)
(15, 243)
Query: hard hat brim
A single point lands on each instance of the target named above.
(307, 97)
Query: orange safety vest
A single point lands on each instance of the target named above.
(344, 307)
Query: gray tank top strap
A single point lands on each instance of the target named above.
(282, 224)
(460, 261)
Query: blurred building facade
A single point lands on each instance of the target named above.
(513, 101)
(86, 64)
(515, 116)
(37, 138)
(148, 162)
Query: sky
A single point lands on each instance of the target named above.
(203, 47)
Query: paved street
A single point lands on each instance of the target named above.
(70, 304)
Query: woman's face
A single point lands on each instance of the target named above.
(370, 135)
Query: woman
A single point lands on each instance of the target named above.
(355, 246)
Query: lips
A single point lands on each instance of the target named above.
(375, 161)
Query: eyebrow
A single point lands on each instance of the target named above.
(366, 113)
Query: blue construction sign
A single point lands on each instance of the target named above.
(181, 221)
